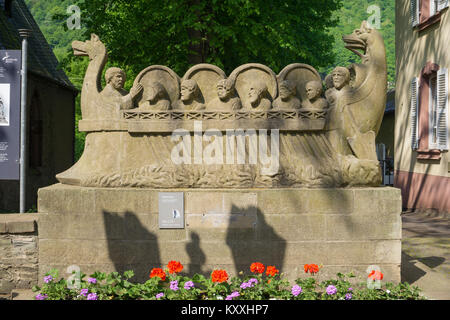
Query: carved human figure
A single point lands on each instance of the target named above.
(226, 99)
(156, 98)
(114, 92)
(258, 97)
(287, 99)
(330, 93)
(190, 96)
(314, 92)
(341, 78)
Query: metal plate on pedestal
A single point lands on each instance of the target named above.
(171, 210)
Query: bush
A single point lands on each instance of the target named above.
(262, 284)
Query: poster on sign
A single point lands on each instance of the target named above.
(4, 104)
(10, 64)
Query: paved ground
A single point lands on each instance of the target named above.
(425, 256)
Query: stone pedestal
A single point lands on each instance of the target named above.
(109, 229)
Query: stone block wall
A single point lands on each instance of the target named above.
(109, 229)
(18, 252)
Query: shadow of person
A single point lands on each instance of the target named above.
(251, 239)
(409, 271)
(196, 255)
(130, 245)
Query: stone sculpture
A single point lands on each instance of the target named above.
(161, 88)
(114, 92)
(330, 90)
(226, 99)
(156, 99)
(190, 96)
(258, 97)
(287, 99)
(172, 140)
(97, 103)
(314, 93)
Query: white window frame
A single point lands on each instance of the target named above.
(433, 7)
(432, 113)
(442, 109)
(414, 113)
(415, 12)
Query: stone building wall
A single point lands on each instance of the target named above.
(18, 252)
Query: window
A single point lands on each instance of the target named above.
(426, 12)
(432, 103)
(429, 112)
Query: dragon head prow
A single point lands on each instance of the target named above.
(91, 48)
(361, 39)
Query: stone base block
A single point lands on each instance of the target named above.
(117, 229)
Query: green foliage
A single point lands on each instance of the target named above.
(180, 33)
(350, 16)
(114, 286)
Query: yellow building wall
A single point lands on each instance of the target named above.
(413, 50)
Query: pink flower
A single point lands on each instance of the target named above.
(92, 296)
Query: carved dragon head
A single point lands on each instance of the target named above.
(92, 48)
(361, 39)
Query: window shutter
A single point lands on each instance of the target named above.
(442, 109)
(433, 7)
(442, 4)
(415, 4)
(414, 112)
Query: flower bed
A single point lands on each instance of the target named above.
(263, 283)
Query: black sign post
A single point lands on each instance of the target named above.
(10, 83)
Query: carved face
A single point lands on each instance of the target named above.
(117, 81)
(312, 91)
(253, 95)
(222, 91)
(285, 92)
(187, 93)
(340, 78)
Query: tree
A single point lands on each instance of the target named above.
(227, 33)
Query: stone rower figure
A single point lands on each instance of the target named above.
(287, 99)
(258, 97)
(314, 92)
(114, 92)
(226, 99)
(156, 98)
(190, 96)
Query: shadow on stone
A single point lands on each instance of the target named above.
(196, 255)
(130, 245)
(258, 242)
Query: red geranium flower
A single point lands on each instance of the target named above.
(271, 271)
(219, 276)
(174, 266)
(375, 275)
(158, 272)
(311, 268)
(257, 267)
